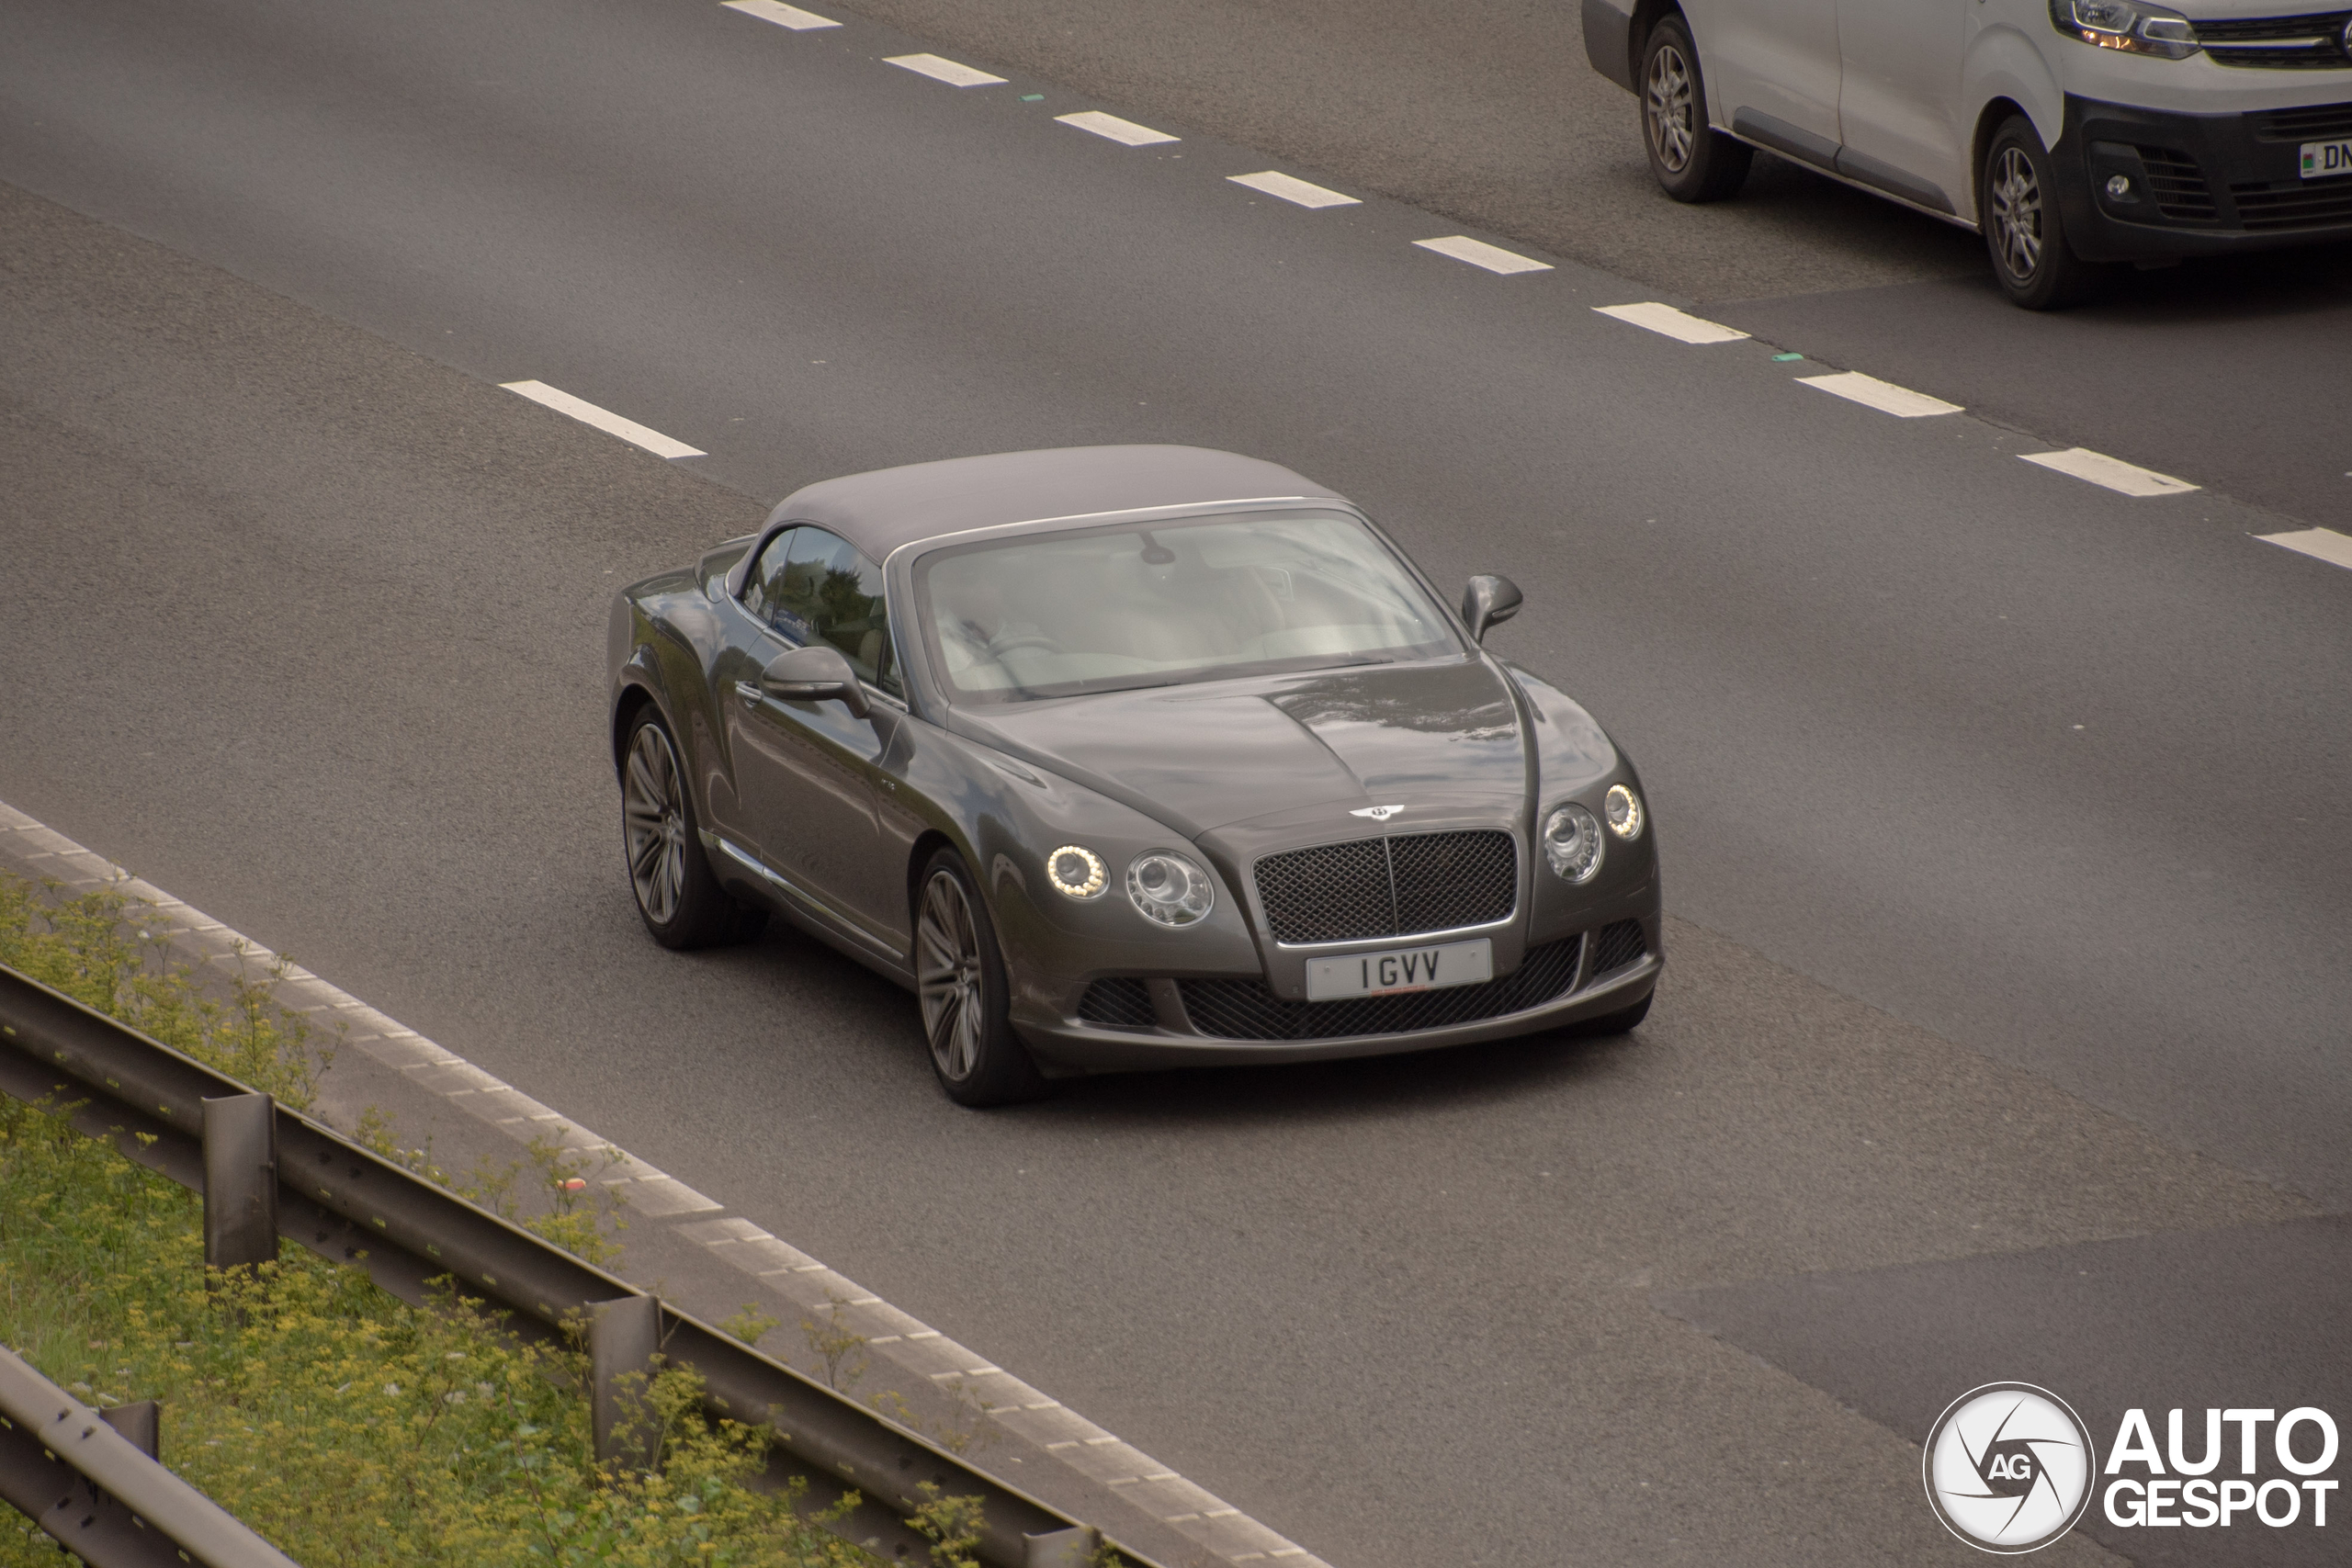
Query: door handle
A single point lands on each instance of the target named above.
(749, 692)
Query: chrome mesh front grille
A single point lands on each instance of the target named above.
(1393, 886)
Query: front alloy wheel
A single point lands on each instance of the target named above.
(653, 819)
(679, 900)
(960, 980)
(1666, 99)
(1693, 161)
(2024, 228)
(2016, 213)
(947, 968)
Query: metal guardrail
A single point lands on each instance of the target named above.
(352, 1206)
(101, 1495)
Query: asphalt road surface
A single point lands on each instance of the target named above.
(2002, 814)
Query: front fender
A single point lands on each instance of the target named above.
(1005, 817)
(2003, 63)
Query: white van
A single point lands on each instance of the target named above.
(2071, 133)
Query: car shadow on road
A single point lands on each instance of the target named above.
(1367, 1088)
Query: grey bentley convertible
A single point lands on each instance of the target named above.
(1127, 757)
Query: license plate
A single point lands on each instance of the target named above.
(1400, 969)
(2326, 160)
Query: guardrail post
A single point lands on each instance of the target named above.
(624, 1337)
(1063, 1549)
(239, 1181)
(140, 1425)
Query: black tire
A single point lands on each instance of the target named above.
(1693, 161)
(965, 995)
(2017, 206)
(677, 897)
(1623, 1021)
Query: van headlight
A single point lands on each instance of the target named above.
(1572, 842)
(1169, 890)
(2132, 26)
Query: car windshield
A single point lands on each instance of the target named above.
(1113, 608)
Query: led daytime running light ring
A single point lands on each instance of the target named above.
(1098, 876)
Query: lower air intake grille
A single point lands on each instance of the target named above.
(1615, 946)
(2298, 204)
(1394, 887)
(1249, 1010)
(2179, 186)
(1122, 1001)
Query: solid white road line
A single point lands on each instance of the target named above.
(611, 423)
(1125, 131)
(1296, 190)
(783, 15)
(946, 71)
(2129, 478)
(1674, 323)
(1478, 252)
(1883, 395)
(2319, 543)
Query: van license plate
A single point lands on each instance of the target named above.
(1400, 969)
(2327, 160)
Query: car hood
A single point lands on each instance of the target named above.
(1202, 758)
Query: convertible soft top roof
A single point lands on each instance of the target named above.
(881, 511)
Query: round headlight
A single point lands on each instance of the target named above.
(1624, 809)
(1076, 871)
(1169, 889)
(1572, 842)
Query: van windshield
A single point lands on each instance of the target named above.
(1123, 607)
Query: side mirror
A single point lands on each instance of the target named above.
(1488, 601)
(815, 674)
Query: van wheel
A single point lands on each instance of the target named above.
(2017, 200)
(1693, 161)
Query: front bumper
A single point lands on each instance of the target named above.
(2199, 183)
(1200, 1023)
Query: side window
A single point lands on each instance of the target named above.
(766, 578)
(829, 592)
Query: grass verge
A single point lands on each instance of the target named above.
(343, 1424)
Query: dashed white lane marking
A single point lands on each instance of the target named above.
(1290, 190)
(2319, 543)
(611, 423)
(783, 15)
(1224, 1532)
(1125, 131)
(947, 71)
(2128, 478)
(1478, 252)
(1674, 323)
(1883, 395)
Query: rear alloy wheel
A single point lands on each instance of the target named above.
(2017, 205)
(1693, 161)
(959, 975)
(679, 900)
